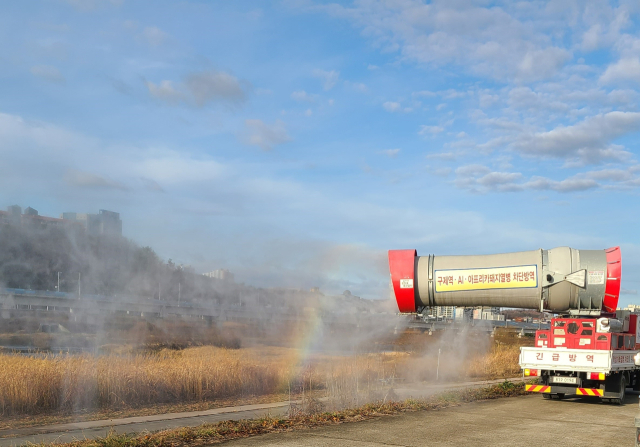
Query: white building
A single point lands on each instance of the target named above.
(440, 312)
(222, 274)
(446, 312)
(464, 314)
(487, 313)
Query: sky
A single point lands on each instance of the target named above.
(294, 142)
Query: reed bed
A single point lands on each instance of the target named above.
(83, 383)
(75, 383)
(500, 362)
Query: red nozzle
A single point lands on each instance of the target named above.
(402, 268)
(614, 269)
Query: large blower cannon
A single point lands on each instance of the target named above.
(590, 349)
(560, 280)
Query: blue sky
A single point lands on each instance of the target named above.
(294, 142)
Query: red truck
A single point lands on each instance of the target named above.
(586, 357)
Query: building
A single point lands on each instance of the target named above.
(14, 210)
(464, 314)
(103, 223)
(222, 274)
(109, 222)
(492, 316)
(15, 216)
(440, 312)
(487, 313)
(446, 312)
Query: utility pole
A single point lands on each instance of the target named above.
(79, 289)
(58, 281)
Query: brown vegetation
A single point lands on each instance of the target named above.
(73, 383)
(82, 383)
(500, 361)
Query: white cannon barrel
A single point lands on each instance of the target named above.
(562, 279)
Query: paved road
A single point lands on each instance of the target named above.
(520, 421)
(93, 429)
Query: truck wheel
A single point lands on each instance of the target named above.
(560, 396)
(546, 396)
(623, 392)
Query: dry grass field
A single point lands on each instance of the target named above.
(82, 383)
(78, 382)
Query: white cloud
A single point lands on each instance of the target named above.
(503, 42)
(329, 78)
(166, 91)
(258, 133)
(357, 86)
(527, 99)
(592, 38)
(153, 35)
(16, 131)
(446, 156)
(176, 168)
(441, 172)
(81, 179)
(391, 106)
(566, 185)
(481, 179)
(486, 99)
(613, 175)
(391, 153)
(424, 93)
(541, 63)
(301, 95)
(432, 130)
(472, 170)
(200, 89)
(151, 185)
(214, 85)
(48, 73)
(590, 141)
(452, 94)
(494, 179)
(627, 69)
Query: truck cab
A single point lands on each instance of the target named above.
(586, 357)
